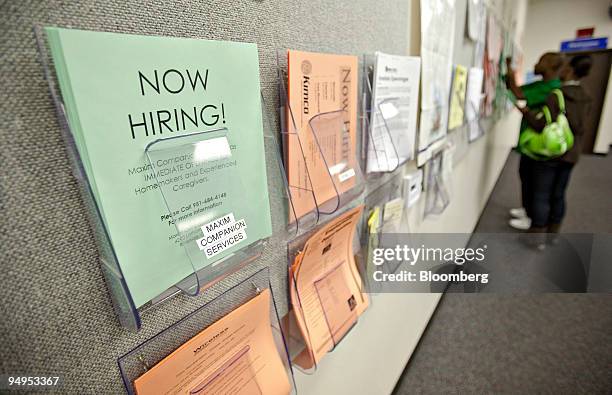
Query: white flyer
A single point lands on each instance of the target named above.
(437, 41)
(473, 97)
(413, 186)
(395, 90)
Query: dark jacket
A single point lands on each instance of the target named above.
(577, 107)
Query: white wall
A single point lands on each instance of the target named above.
(551, 21)
(604, 134)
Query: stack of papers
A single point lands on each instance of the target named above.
(326, 289)
(395, 91)
(235, 355)
(322, 90)
(121, 94)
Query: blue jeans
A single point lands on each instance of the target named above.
(548, 182)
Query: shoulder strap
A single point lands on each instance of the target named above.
(560, 98)
(546, 112)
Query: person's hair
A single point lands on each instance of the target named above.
(581, 65)
(555, 59)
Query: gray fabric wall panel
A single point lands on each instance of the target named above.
(56, 313)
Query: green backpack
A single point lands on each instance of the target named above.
(555, 139)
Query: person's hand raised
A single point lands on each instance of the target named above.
(509, 65)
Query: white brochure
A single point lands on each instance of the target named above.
(473, 97)
(395, 91)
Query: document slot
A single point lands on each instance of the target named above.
(373, 230)
(326, 291)
(475, 128)
(389, 111)
(379, 152)
(437, 179)
(294, 225)
(123, 303)
(162, 174)
(303, 213)
(231, 345)
(276, 171)
(318, 116)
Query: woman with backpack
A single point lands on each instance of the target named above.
(550, 176)
(534, 95)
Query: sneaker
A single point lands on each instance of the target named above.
(520, 223)
(518, 212)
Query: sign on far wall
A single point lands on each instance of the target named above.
(584, 44)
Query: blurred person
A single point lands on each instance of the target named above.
(535, 95)
(549, 178)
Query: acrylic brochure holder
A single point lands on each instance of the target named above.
(321, 178)
(197, 211)
(123, 303)
(379, 147)
(375, 233)
(189, 205)
(144, 357)
(337, 318)
(475, 129)
(437, 182)
(277, 172)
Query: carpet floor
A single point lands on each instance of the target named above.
(523, 343)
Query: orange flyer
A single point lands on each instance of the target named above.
(235, 355)
(322, 125)
(326, 291)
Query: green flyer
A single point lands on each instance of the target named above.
(169, 131)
